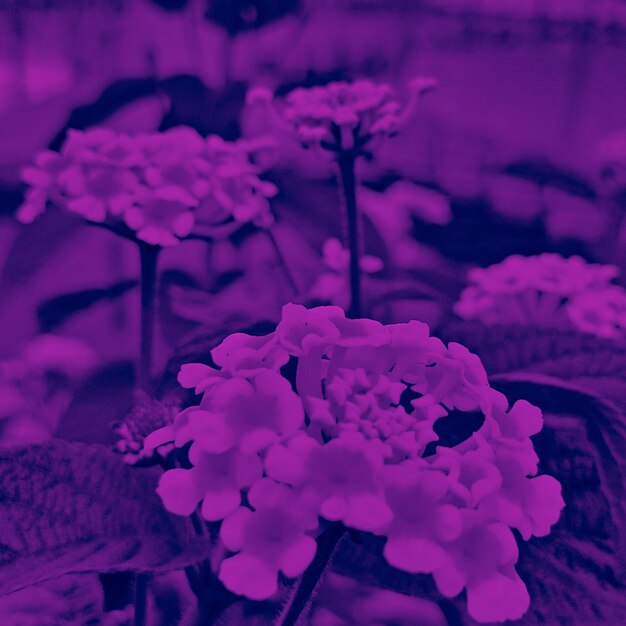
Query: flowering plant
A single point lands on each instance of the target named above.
(546, 290)
(352, 442)
(346, 120)
(157, 188)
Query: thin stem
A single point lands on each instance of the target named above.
(141, 599)
(283, 262)
(310, 580)
(347, 179)
(149, 259)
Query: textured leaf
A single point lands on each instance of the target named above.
(70, 507)
(73, 600)
(560, 353)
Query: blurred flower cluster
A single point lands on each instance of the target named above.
(547, 290)
(343, 115)
(159, 187)
(351, 440)
(36, 387)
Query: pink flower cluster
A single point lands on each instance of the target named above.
(345, 443)
(160, 186)
(547, 290)
(345, 114)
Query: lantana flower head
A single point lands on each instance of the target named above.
(547, 290)
(343, 115)
(157, 188)
(353, 439)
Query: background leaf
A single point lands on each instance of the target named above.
(70, 507)
(57, 310)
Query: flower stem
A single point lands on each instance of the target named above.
(283, 262)
(141, 599)
(347, 178)
(149, 256)
(308, 584)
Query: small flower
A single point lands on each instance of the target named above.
(42, 179)
(482, 560)
(161, 217)
(271, 538)
(422, 520)
(457, 379)
(216, 480)
(340, 475)
(302, 330)
(248, 414)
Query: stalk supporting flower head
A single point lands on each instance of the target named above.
(350, 442)
(347, 120)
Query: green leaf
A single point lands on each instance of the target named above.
(71, 507)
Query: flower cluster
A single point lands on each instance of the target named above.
(334, 285)
(546, 290)
(343, 115)
(352, 440)
(159, 187)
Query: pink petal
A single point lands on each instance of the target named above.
(179, 492)
(298, 556)
(414, 555)
(216, 505)
(497, 599)
(249, 577)
(233, 529)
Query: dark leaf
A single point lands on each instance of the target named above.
(102, 400)
(70, 507)
(54, 312)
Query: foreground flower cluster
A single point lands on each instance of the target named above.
(547, 290)
(351, 441)
(160, 186)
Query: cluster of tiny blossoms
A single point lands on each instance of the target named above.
(549, 291)
(346, 442)
(161, 186)
(343, 115)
